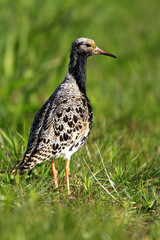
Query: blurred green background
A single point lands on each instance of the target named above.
(35, 43)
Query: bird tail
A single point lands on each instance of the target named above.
(29, 161)
(25, 165)
(16, 169)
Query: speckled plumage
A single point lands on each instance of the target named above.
(60, 127)
(63, 123)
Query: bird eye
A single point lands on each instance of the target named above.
(88, 45)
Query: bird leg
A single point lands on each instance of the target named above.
(55, 172)
(67, 176)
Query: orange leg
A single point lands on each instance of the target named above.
(55, 172)
(67, 176)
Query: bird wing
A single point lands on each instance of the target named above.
(56, 130)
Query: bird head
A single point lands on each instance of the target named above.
(86, 47)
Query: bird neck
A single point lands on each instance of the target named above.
(77, 68)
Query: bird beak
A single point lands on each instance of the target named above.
(99, 51)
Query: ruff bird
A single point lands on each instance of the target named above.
(63, 124)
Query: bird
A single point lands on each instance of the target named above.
(63, 124)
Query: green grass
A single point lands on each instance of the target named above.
(35, 41)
